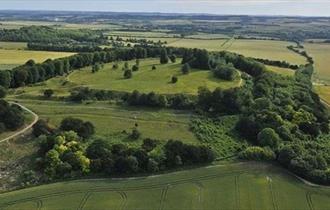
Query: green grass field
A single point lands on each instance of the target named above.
(13, 45)
(147, 80)
(321, 55)
(248, 186)
(282, 71)
(111, 119)
(12, 58)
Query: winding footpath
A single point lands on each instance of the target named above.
(25, 129)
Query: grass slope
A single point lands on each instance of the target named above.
(147, 80)
(247, 186)
(282, 71)
(219, 134)
(110, 119)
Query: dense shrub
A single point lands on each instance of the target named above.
(257, 153)
(83, 129)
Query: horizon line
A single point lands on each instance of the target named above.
(155, 12)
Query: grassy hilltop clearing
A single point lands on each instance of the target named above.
(248, 186)
(147, 79)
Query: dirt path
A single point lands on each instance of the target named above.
(23, 130)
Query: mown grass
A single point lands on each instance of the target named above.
(111, 120)
(18, 57)
(147, 80)
(247, 186)
(219, 134)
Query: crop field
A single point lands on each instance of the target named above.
(110, 119)
(324, 92)
(247, 186)
(61, 25)
(266, 49)
(147, 80)
(321, 55)
(141, 34)
(12, 58)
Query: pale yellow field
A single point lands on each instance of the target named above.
(266, 49)
(324, 92)
(321, 54)
(17, 57)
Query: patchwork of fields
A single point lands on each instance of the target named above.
(231, 186)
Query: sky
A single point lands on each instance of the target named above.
(222, 7)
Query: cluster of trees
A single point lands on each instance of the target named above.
(175, 101)
(287, 117)
(225, 71)
(64, 47)
(84, 129)
(11, 116)
(143, 41)
(45, 34)
(196, 58)
(219, 102)
(150, 157)
(64, 154)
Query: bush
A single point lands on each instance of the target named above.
(128, 74)
(185, 68)
(172, 58)
(135, 68)
(41, 128)
(115, 66)
(174, 79)
(257, 153)
(48, 93)
(3, 92)
(135, 134)
(154, 67)
(268, 137)
(83, 129)
(225, 72)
